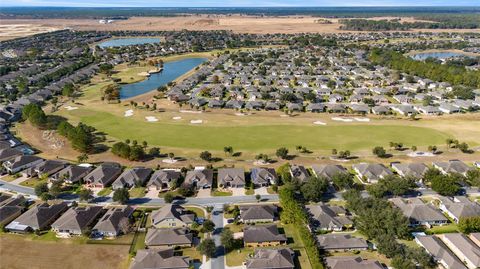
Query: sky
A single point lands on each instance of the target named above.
(235, 3)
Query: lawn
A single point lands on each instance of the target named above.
(137, 192)
(8, 178)
(200, 213)
(249, 192)
(237, 257)
(31, 182)
(105, 191)
(221, 193)
(449, 228)
(261, 137)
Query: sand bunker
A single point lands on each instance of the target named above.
(240, 114)
(190, 111)
(151, 119)
(128, 113)
(177, 118)
(196, 121)
(319, 122)
(70, 108)
(342, 119)
(420, 154)
(169, 161)
(362, 119)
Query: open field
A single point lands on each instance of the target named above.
(18, 252)
(236, 23)
(16, 30)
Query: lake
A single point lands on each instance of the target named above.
(171, 71)
(441, 55)
(121, 42)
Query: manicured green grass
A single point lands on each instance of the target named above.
(449, 228)
(137, 192)
(9, 178)
(31, 182)
(257, 137)
(249, 192)
(192, 253)
(236, 228)
(198, 211)
(221, 193)
(105, 192)
(238, 256)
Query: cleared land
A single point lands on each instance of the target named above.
(18, 252)
(16, 30)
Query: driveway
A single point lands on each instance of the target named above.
(261, 191)
(238, 191)
(204, 193)
(152, 194)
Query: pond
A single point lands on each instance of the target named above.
(171, 71)
(441, 55)
(121, 42)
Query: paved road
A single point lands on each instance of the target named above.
(217, 217)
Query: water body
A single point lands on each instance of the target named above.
(121, 42)
(441, 55)
(171, 71)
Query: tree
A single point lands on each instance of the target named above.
(168, 198)
(282, 153)
(469, 224)
(343, 180)
(414, 148)
(400, 262)
(379, 151)
(283, 171)
(208, 226)
(432, 148)
(121, 195)
(313, 188)
(228, 150)
(55, 189)
(473, 177)
(258, 197)
(41, 188)
(85, 194)
(227, 239)
(334, 152)
(207, 247)
(82, 158)
(446, 185)
(463, 147)
(206, 156)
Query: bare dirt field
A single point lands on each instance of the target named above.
(18, 252)
(15, 30)
(236, 23)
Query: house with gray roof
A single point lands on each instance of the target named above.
(48, 167)
(159, 259)
(440, 252)
(271, 258)
(464, 248)
(39, 218)
(168, 237)
(231, 178)
(258, 213)
(351, 262)
(9, 153)
(103, 175)
(116, 221)
(137, 176)
(328, 170)
(371, 172)
(415, 170)
(452, 166)
(341, 242)
(199, 178)
(10, 208)
(459, 207)
(163, 180)
(262, 177)
(71, 174)
(20, 163)
(328, 218)
(419, 213)
(77, 220)
(299, 172)
(263, 236)
(172, 215)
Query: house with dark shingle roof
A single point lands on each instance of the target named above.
(328, 170)
(172, 215)
(371, 172)
(77, 220)
(103, 175)
(20, 163)
(419, 213)
(459, 207)
(231, 178)
(263, 236)
(351, 262)
(199, 178)
(9, 153)
(415, 170)
(39, 218)
(464, 248)
(452, 166)
(271, 259)
(163, 180)
(262, 177)
(116, 221)
(299, 172)
(328, 218)
(440, 252)
(132, 177)
(169, 237)
(159, 259)
(341, 242)
(258, 213)
(71, 174)
(10, 208)
(48, 167)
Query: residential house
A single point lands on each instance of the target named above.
(459, 207)
(341, 242)
(380, 110)
(10, 208)
(71, 174)
(38, 218)
(299, 172)
(475, 237)
(20, 163)
(371, 172)
(415, 170)
(258, 213)
(137, 176)
(464, 248)
(419, 213)
(168, 237)
(262, 177)
(440, 252)
(159, 259)
(263, 236)
(199, 178)
(448, 108)
(271, 259)
(452, 166)
(172, 215)
(77, 221)
(103, 175)
(328, 170)
(9, 153)
(48, 168)
(231, 178)
(163, 180)
(351, 262)
(116, 221)
(328, 218)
